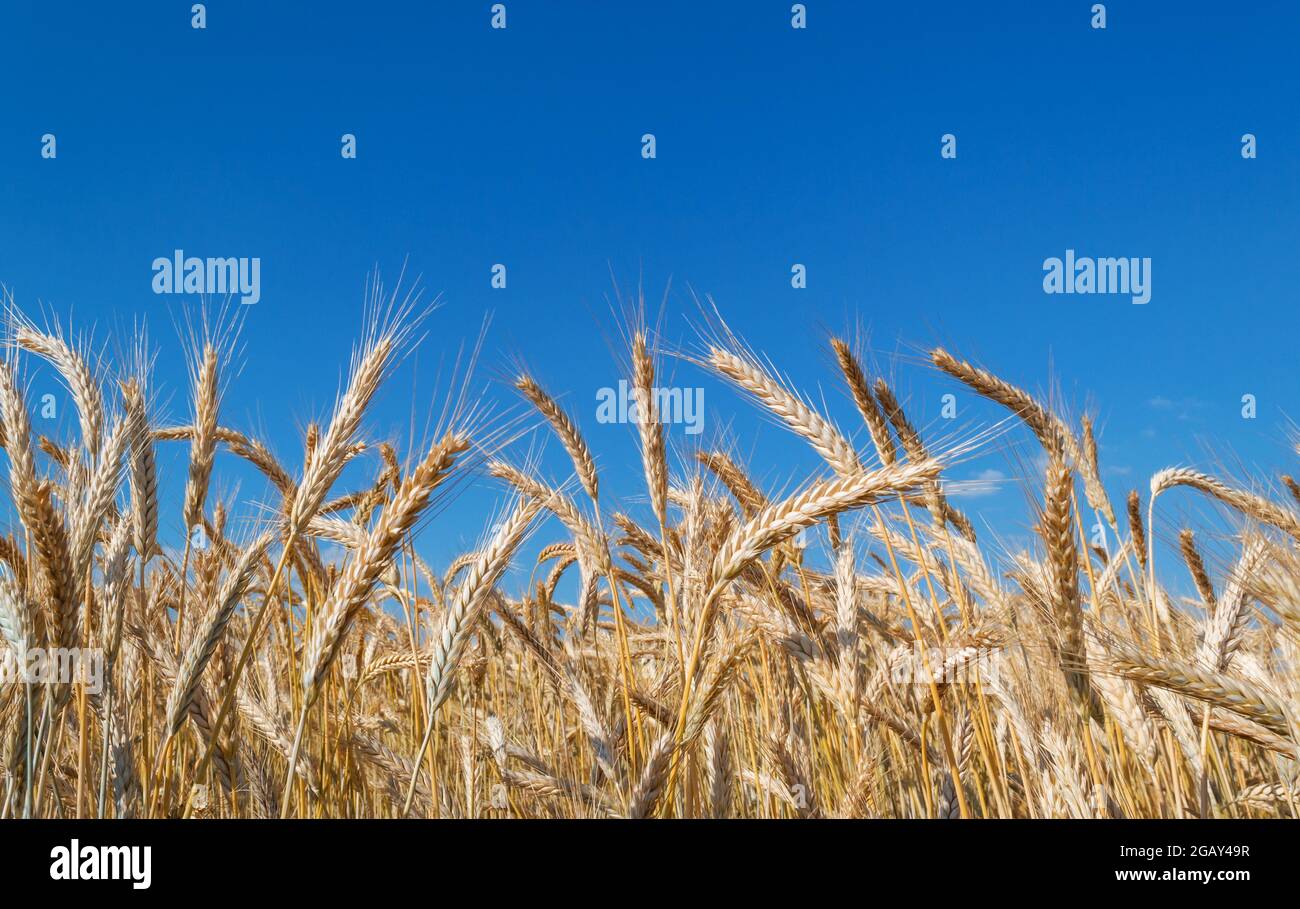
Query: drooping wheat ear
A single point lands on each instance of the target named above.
(203, 447)
(798, 416)
(638, 537)
(934, 499)
(345, 533)
(1135, 528)
(747, 495)
(457, 565)
(1292, 487)
(866, 402)
(587, 536)
(1063, 563)
(1052, 434)
(58, 454)
(908, 437)
(239, 444)
(1090, 470)
(370, 364)
(144, 471)
(1237, 695)
(554, 550)
(1227, 621)
(71, 365)
(1121, 699)
(653, 455)
(564, 427)
(780, 521)
(1196, 565)
(1247, 503)
(940, 509)
(353, 588)
(209, 633)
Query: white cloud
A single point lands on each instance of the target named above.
(986, 483)
(1182, 408)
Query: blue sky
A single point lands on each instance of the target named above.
(775, 146)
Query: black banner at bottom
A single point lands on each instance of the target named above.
(138, 859)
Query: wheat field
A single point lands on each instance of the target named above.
(847, 646)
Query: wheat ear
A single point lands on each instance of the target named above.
(459, 619)
(566, 430)
(207, 636)
(802, 419)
